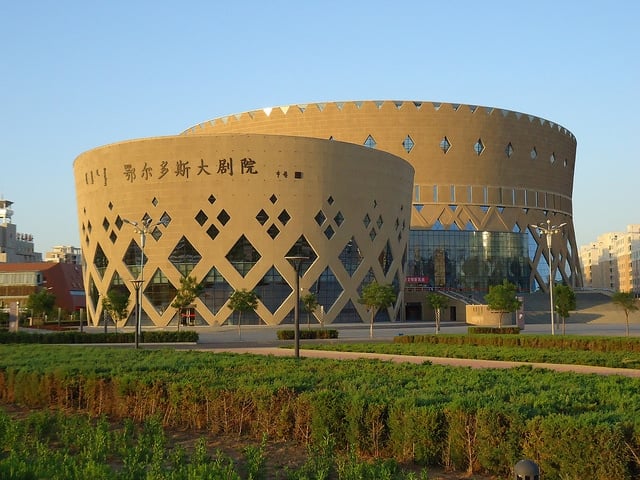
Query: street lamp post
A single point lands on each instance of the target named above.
(136, 285)
(142, 228)
(297, 261)
(549, 230)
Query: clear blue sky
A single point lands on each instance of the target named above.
(77, 75)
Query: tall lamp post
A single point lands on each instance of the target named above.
(296, 261)
(142, 228)
(549, 230)
(136, 285)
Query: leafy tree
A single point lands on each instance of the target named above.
(116, 303)
(503, 299)
(564, 299)
(242, 301)
(627, 301)
(41, 303)
(187, 293)
(375, 297)
(437, 302)
(310, 302)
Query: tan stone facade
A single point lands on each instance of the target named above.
(232, 207)
(477, 168)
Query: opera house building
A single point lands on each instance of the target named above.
(420, 195)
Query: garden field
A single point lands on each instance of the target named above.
(345, 419)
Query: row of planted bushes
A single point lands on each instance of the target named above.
(493, 330)
(316, 334)
(454, 418)
(569, 342)
(66, 337)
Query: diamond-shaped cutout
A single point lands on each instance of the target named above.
(329, 232)
(373, 234)
(215, 291)
(320, 218)
(201, 218)
(478, 147)
(160, 291)
(533, 153)
(445, 145)
(119, 222)
(330, 200)
(156, 233)
(509, 150)
(351, 257)
(105, 224)
(302, 249)
(113, 237)
(211, 199)
(408, 144)
(273, 231)
(284, 217)
(100, 260)
(165, 219)
(338, 219)
(273, 199)
(262, 217)
(327, 289)
(132, 258)
(184, 257)
(379, 222)
(243, 256)
(212, 231)
(385, 258)
(110, 206)
(223, 217)
(366, 220)
(273, 290)
(154, 202)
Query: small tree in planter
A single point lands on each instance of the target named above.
(375, 297)
(242, 301)
(503, 299)
(310, 302)
(437, 302)
(187, 293)
(564, 299)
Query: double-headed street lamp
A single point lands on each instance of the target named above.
(296, 261)
(142, 228)
(549, 230)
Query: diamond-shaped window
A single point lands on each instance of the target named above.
(338, 219)
(351, 257)
(201, 218)
(273, 199)
(330, 200)
(320, 218)
(119, 222)
(478, 147)
(370, 142)
(105, 224)
(132, 258)
(329, 232)
(379, 222)
(273, 231)
(284, 217)
(408, 144)
(156, 233)
(211, 199)
(215, 291)
(243, 256)
(552, 158)
(184, 257)
(373, 234)
(223, 217)
(509, 150)
(160, 291)
(366, 220)
(273, 290)
(385, 258)
(113, 237)
(327, 289)
(445, 145)
(262, 217)
(302, 249)
(213, 231)
(533, 153)
(165, 219)
(100, 260)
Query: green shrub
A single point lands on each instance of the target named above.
(321, 334)
(493, 330)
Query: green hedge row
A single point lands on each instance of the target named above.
(569, 342)
(494, 330)
(66, 337)
(322, 334)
